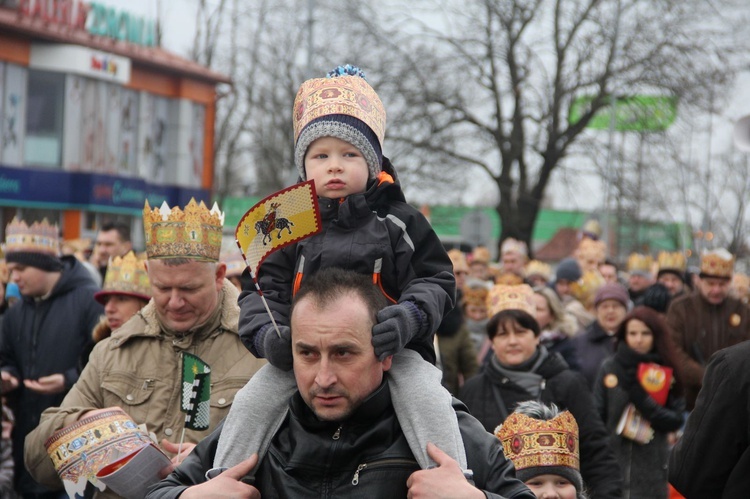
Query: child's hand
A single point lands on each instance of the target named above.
(278, 350)
(397, 325)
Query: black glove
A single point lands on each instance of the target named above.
(397, 325)
(277, 350)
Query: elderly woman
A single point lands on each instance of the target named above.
(521, 369)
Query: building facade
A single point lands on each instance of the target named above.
(95, 118)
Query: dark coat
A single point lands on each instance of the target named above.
(644, 467)
(458, 358)
(43, 337)
(375, 233)
(701, 329)
(592, 347)
(712, 459)
(490, 397)
(365, 456)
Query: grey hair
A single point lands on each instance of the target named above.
(537, 410)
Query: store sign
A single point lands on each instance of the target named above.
(80, 60)
(94, 17)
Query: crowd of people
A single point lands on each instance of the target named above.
(374, 363)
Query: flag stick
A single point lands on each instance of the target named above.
(257, 287)
(179, 447)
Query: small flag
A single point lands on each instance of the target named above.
(196, 392)
(276, 221)
(656, 380)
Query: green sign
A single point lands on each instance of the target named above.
(637, 113)
(234, 208)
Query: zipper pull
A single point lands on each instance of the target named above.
(147, 384)
(355, 480)
(337, 434)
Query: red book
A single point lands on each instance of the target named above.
(656, 380)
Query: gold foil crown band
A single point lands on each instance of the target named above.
(516, 297)
(672, 261)
(639, 262)
(717, 263)
(126, 276)
(37, 238)
(193, 233)
(349, 95)
(531, 442)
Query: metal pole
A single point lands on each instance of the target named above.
(608, 169)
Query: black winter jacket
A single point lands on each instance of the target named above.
(491, 397)
(43, 337)
(375, 233)
(592, 347)
(366, 456)
(644, 467)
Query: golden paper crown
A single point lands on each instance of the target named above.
(173, 233)
(507, 278)
(480, 254)
(531, 443)
(502, 297)
(38, 238)
(672, 261)
(234, 262)
(535, 267)
(591, 253)
(349, 95)
(475, 296)
(717, 263)
(639, 262)
(126, 276)
(586, 287)
(512, 245)
(458, 259)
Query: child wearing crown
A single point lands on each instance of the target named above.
(339, 124)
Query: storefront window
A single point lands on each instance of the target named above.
(44, 119)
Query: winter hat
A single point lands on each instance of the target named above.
(569, 270)
(36, 246)
(612, 291)
(542, 446)
(657, 297)
(343, 106)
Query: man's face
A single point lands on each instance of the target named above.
(673, 283)
(609, 314)
(478, 270)
(638, 282)
(109, 244)
(714, 289)
(562, 287)
(31, 281)
(513, 262)
(608, 272)
(185, 295)
(120, 308)
(334, 360)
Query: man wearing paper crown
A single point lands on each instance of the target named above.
(140, 366)
(707, 320)
(367, 226)
(522, 369)
(45, 334)
(671, 273)
(640, 276)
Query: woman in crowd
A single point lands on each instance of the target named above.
(644, 349)
(550, 467)
(522, 369)
(557, 326)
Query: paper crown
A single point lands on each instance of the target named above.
(502, 297)
(512, 245)
(458, 259)
(590, 253)
(592, 229)
(125, 276)
(585, 288)
(173, 233)
(532, 443)
(475, 296)
(640, 263)
(481, 254)
(234, 262)
(535, 267)
(37, 238)
(717, 263)
(671, 261)
(348, 95)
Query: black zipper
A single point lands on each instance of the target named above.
(377, 464)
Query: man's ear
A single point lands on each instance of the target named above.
(387, 363)
(221, 272)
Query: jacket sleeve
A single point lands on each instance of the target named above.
(84, 396)
(89, 318)
(716, 432)
(275, 278)
(662, 418)
(493, 472)
(692, 372)
(8, 361)
(425, 271)
(467, 355)
(600, 393)
(192, 471)
(599, 467)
